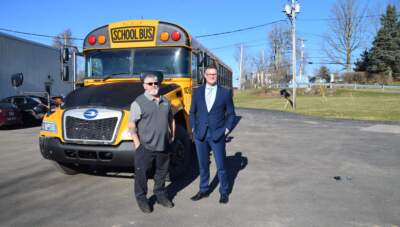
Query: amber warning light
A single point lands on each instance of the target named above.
(175, 36)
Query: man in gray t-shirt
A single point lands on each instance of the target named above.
(152, 127)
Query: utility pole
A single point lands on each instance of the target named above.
(301, 71)
(290, 11)
(262, 68)
(65, 39)
(241, 67)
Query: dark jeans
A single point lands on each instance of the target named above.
(143, 161)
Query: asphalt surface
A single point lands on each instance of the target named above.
(282, 171)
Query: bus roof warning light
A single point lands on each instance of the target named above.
(92, 40)
(176, 36)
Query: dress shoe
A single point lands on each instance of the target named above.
(224, 199)
(165, 202)
(199, 196)
(144, 206)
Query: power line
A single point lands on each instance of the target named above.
(36, 34)
(240, 29)
(206, 35)
(199, 36)
(254, 42)
(332, 19)
(327, 36)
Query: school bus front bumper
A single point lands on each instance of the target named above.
(121, 155)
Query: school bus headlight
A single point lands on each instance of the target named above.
(126, 135)
(49, 126)
(164, 36)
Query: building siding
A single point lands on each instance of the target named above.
(36, 61)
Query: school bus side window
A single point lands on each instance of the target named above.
(194, 67)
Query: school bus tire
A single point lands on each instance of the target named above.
(181, 154)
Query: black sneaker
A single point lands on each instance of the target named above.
(164, 201)
(224, 199)
(199, 196)
(144, 206)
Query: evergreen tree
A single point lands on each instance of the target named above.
(324, 73)
(384, 55)
(362, 63)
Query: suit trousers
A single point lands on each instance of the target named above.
(143, 162)
(203, 155)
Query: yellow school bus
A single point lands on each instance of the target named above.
(90, 129)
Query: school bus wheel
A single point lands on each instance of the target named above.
(181, 153)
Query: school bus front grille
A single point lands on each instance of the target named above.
(94, 130)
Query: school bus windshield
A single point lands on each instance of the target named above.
(172, 61)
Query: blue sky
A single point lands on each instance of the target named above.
(198, 17)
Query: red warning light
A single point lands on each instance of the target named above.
(92, 40)
(176, 36)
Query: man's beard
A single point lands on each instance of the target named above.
(153, 92)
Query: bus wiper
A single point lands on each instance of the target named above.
(113, 75)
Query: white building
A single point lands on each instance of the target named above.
(40, 65)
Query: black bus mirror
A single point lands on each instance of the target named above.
(65, 73)
(17, 79)
(65, 54)
(205, 60)
(200, 59)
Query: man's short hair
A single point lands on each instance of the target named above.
(152, 74)
(211, 66)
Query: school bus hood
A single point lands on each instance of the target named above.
(116, 95)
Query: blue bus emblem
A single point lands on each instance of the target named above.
(90, 113)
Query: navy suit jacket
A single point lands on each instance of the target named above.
(221, 116)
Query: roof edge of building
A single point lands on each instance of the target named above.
(27, 41)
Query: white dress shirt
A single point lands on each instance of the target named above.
(210, 95)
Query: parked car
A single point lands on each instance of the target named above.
(33, 108)
(9, 115)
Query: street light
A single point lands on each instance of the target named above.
(290, 11)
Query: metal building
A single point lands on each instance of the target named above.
(40, 65)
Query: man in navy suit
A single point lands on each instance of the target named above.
(212, 116)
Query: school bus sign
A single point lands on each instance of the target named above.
(133, 33)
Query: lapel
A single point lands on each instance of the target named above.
(202, 96)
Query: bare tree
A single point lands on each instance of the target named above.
(64, 38)
(279, 42)
(279, 45)
(259, 63)
(346, 32)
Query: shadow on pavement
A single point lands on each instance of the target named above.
(182, 182)
(26, 124)
(234, 163)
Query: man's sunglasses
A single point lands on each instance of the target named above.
(152, 83)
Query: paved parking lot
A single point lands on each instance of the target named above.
(282, 168)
